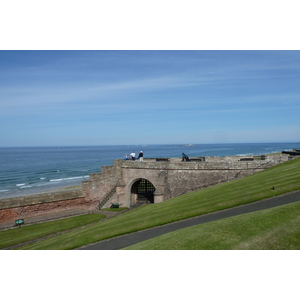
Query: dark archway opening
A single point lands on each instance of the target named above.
(144, 191)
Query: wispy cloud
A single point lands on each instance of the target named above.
(160, 91)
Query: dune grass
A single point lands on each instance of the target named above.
(276, 228)
(20, 235)
(284, 178)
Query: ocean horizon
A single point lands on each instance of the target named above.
(27, 170)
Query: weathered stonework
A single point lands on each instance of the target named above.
(170, 178)
(42, 204)
(117, 183)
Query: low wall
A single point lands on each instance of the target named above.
(42, 204)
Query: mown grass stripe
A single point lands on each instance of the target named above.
(16, 236)
(273, 229)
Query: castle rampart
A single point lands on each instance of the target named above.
(170, 178)
(43, 204)
(127, 182)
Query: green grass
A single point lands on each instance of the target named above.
(115, 209)
(16, 236)
(285, 178)
(272, 229)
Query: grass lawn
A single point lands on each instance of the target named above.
(284, 178)
(115, 209)
(272, 229)
(16, 236)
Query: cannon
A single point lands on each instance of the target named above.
(114, 205)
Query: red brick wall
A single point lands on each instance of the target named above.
(11, 214)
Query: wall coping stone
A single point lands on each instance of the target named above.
(224, 165)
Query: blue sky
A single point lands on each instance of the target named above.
(51, 98)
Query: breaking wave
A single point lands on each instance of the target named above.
(69, 178)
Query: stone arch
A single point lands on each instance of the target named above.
(140, 190)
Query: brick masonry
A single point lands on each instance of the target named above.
(43, 204)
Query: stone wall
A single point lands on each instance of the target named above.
(176, 178)
(170, 178)
(114, 184)
(100, 184)
(42, 204)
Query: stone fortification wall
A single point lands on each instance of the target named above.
(102, 184)
(115, 184)
(170, 178)
(175, 178)
(42, 204)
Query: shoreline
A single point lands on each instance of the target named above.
(42, 191)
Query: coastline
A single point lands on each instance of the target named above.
(42, 191)
(34, 170)
(78, 185)
(101, 190)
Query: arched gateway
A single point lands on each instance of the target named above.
(130, 182)
(141, 190)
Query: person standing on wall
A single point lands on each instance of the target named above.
(141, 156)
(132, 154)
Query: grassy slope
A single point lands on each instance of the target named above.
(273, 229)
(284, 177)
(16, 236)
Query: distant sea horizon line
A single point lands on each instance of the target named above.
(148, 144)
(35, 168)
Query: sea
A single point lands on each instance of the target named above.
(27, 170)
